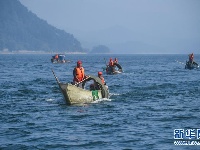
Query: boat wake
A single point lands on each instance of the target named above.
(49, 100)
(101, 100)
(180, 62)
(114, 94)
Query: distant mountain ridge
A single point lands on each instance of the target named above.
(20, 29)
(121, 40)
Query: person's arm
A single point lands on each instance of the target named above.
(85, 76)
(74, 74)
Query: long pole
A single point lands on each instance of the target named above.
(82, 80)
(55, 76)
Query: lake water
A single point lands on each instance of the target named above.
(152, 97)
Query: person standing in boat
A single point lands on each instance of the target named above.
(116, 61)
(79, 74)
(191, 58)
(111, 65)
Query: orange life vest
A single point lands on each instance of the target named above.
(79, 74)
(111, 63)
(56, 57)
(102, 80)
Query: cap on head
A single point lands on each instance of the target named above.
(100, 73)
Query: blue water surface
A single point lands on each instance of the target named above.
(152, 97)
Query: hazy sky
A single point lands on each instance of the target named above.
(151, 22)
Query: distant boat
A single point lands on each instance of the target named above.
(116, 69)
(59, 58)
(193, 65)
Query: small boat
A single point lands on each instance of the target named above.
(193, 65)
(76, 95)
(116, 69)
(59, 58)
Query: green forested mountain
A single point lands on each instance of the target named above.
(20, 29)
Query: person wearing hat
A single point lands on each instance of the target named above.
(111, 63)
(100, 75)
(116, 61)
(79, 74)
(111, 66)
(95, 86)
(191, 58)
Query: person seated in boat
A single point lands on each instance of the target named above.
(191, 58)
(56, 57)
(79, 74)
(116, 60)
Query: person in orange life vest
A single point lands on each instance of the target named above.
(79, 74)
(116, 61)
(191, 58)
(95, 86)
(111, 63)
(100, 75)
(56, 56)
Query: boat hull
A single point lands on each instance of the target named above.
(59, 62)
(114, 72)
(193, 65)
(76, 95)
